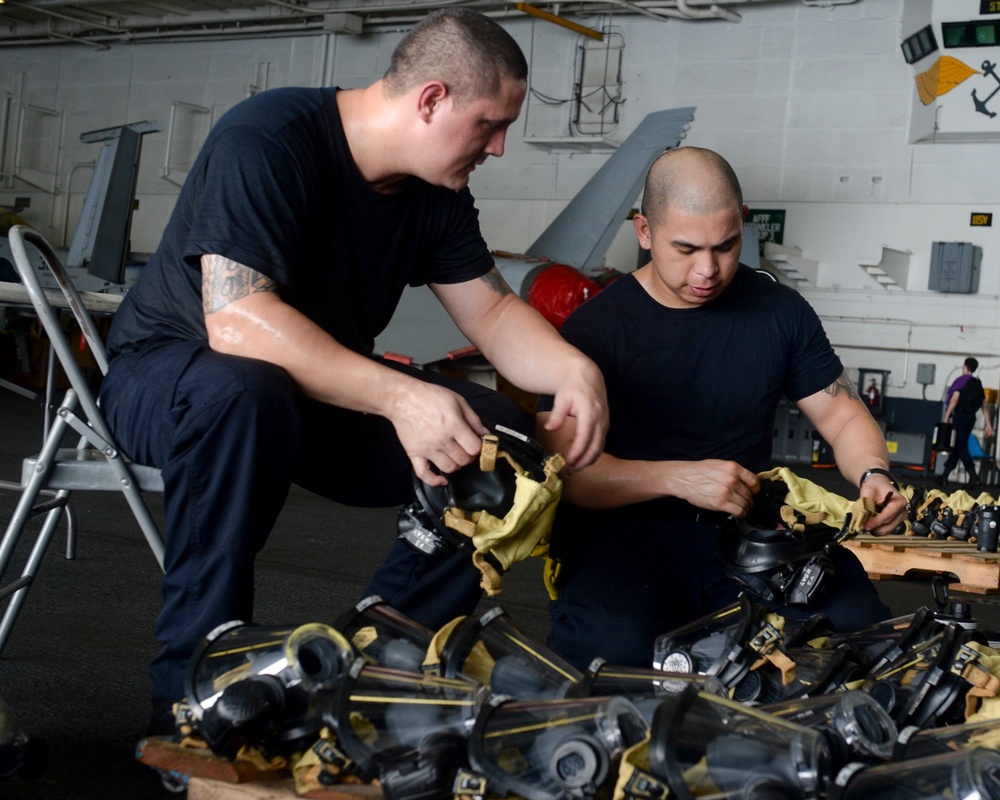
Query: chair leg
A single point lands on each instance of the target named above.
(18, 590)
(26, 508)
(70, 532)
(71, 526)
(139, 508)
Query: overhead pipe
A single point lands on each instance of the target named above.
(304, 19)
(67, 17)
(714, 11)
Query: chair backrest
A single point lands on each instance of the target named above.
(20, 237)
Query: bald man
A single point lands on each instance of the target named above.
(696, 351)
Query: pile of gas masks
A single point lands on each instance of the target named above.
(957, 516)
(377, 697)
(740, 704)
(905, 709)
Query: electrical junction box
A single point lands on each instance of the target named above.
(908, 448)
(955, 267)
(925, 374)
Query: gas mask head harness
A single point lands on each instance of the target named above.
(778, 554)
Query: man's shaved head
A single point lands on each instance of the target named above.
(699, 181)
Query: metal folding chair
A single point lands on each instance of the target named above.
(95, 464)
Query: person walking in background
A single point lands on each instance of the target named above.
(965, 397)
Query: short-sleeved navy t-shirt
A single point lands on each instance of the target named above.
(276, 189)
(698, 383)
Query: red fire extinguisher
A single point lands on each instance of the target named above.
(872, 395)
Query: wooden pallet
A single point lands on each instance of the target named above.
(208, 789)
(886, 557)
(209, 777)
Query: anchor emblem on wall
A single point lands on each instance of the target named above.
(988, 69)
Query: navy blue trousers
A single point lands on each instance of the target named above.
(964, 422)
(627, 584)
(231, 435)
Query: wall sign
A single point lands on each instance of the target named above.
(980, 219)
(770, 224)
(989, 6)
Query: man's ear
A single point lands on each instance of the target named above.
(642, 231)
(430, 98)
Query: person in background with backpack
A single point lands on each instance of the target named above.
(965, 398)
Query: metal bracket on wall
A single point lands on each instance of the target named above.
(172, 171)
(45, 179)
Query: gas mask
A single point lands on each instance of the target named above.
(554, 749)
(934, 680)
(815, 671)
(725, 644)
(470, 489)
(701, 744)
(877, 644)
(264, 685)
(408, 730)
(645, 687)
(913, 742)
(383, 636)
(779, 566)
(499, 507)
(494, 651)
(857, 727)
(966, 775)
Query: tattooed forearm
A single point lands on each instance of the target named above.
(496, 282)
(224, 281)
(842, 384)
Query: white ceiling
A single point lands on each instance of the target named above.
(102, 23)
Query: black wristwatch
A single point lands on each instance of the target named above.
(879, 471)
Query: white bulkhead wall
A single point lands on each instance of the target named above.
(814, 106)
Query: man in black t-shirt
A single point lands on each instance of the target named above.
(696, 351)
(242, 359)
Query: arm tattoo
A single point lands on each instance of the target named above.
(843, 383)
(495, 281)
(224, 281)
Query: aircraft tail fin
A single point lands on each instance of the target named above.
(584, 230)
